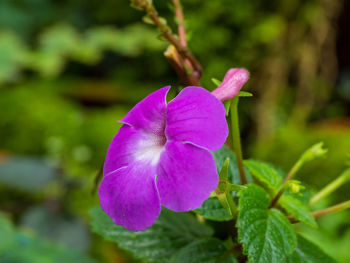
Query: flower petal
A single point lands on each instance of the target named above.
(150, 113)
(197, 116)
(129, 196)
(132, 145)
(186, 176)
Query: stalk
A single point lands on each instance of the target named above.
(236, 138)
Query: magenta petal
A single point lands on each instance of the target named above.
(233, 81)
(121, 150)
(196, 116)
(149, 114)
(186, 176)
(132, 145)
(129, 196)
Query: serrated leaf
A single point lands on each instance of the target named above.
(209, 250)
(296, 208)
(171, 232)
(307, 252)
(266, 234)
(211, 208)
(265, 174)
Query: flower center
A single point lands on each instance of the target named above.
(151, 146)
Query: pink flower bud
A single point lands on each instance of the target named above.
(233, 81)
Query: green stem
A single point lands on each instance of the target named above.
(236, 138)
(330, 188)
(332, 209)
(290, 175)
(293, 171)
(327, 211)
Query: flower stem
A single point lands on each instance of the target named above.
(236, 138)
(330, 188)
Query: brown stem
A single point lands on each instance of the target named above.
(181, 31)
(184, 51)
(181, 22)
(165, 30)
(276, 198)
(178, 63)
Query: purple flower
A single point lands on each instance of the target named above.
(233, 81)
(161, 156)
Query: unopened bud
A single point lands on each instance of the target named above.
(315, 151)
(233, 81)
(294, 186)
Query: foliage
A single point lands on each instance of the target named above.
(68, 75)
(265, 232)
(63, 42)
(173, 237)
(17, 246)
(306, 252)
(267, 235)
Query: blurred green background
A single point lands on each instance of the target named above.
(69, 69)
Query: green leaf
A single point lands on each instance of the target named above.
(209, 250)
(211, 208)
(216, 81)
(171, 232)
(296, 208)
(266, 235)
(233, 173)
(307, 252)
(227, 105)
(245, 94)
(235, 187)
(223, 175)
(265, 174)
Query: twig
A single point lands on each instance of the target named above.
(181, 31)
(178, 63)
(184, 51)
(165, 30)
(180, 22)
